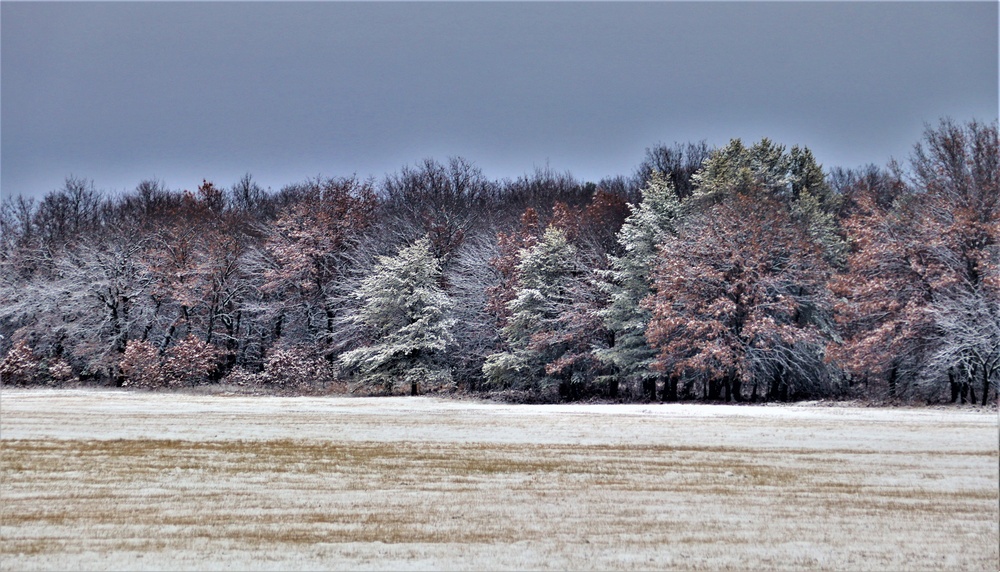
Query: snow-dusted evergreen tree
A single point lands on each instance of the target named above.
(629, 281)
(406, 315)
(792, 177)
(545, 273)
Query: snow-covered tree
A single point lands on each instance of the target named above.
(306, 257)
(918, 299)
(967, 338)
(60, 371)
(141, 365)
(92, 299)
(629, 281)
(545, 274)
(406, 314)
(190, 361)
(295, 366)
(470, 284)
(20, 365)
(736, 298)
(767, 170)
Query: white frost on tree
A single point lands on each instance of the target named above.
(406, 314)
(629, 281)
(545, 274)
(790, 176)
(967, 337)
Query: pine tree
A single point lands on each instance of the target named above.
(406, 313)
(545, 279)
(767, 170)
(629, 281)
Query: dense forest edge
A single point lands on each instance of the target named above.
(745, 273)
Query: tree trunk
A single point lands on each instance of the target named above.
(649, 389)
(277, 326)
(777, 380)
(211, 325)
(986, 385)
(232, 342)
(331, 318)
(670, 388)
(714, 389)
(168, 336)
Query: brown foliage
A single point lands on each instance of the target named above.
(732, 294)
(312, 233)
(141, 365)
(295, 366)
(20, 365)
(936, 243)
(505, 263)
(884, 296)
(188, 362)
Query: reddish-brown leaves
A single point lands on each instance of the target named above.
(732, 285)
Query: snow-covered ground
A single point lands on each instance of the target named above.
(131, 480)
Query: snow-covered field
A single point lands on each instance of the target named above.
(118, 480)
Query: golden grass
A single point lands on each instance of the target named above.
(642, 494)
(296, 492)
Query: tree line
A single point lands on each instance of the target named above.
(740, 273)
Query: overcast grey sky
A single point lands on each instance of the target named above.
(121, 92)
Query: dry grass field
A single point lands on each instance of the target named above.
(115, 480)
